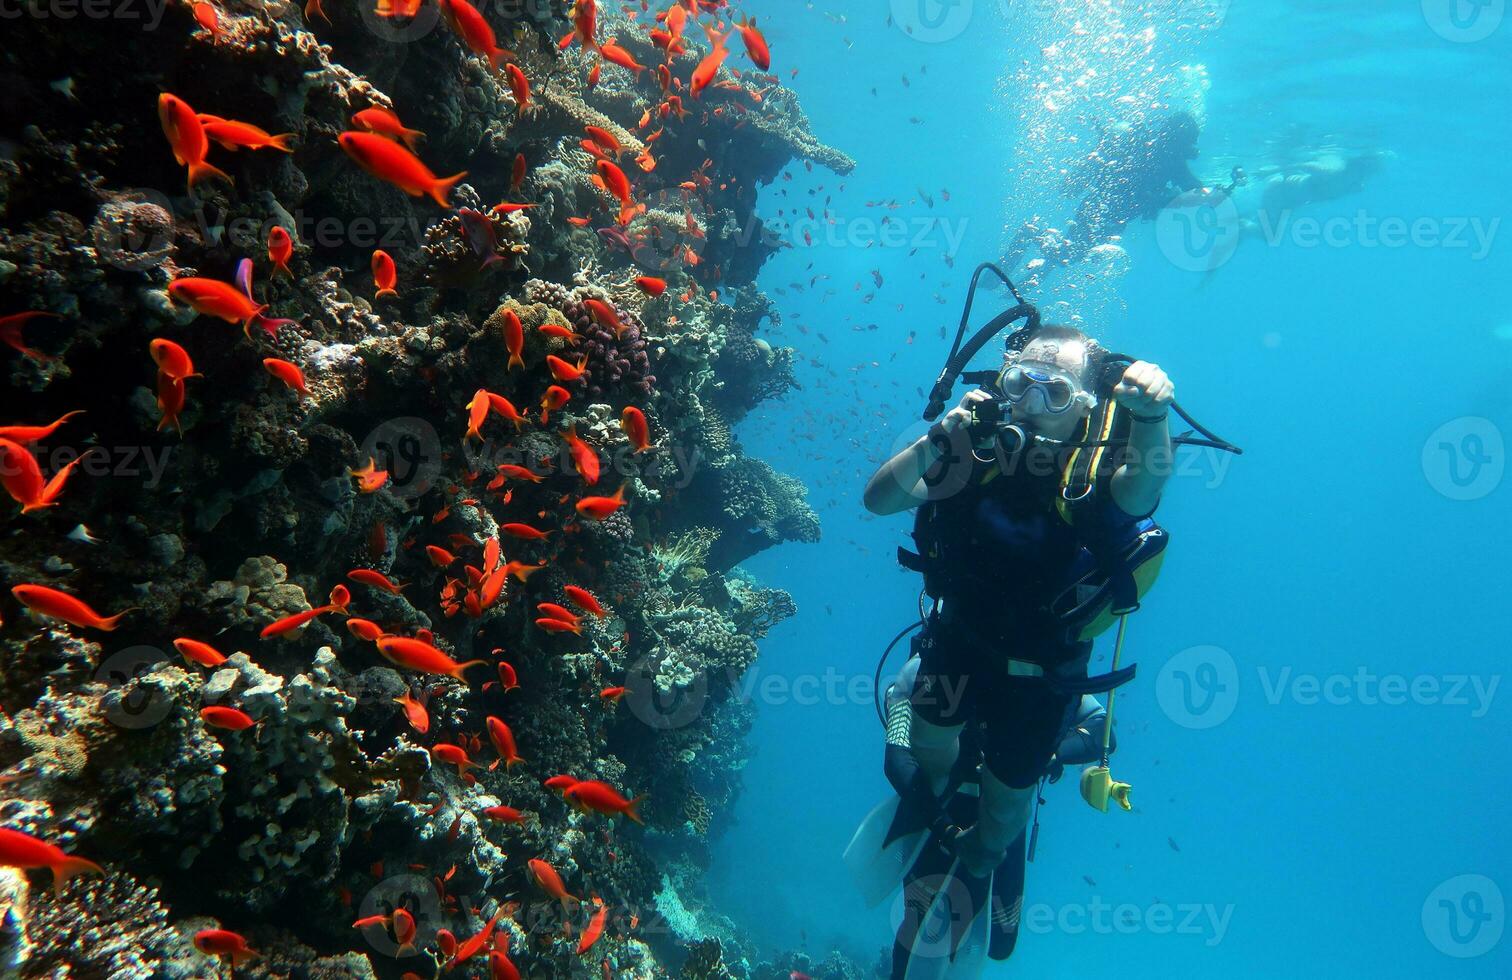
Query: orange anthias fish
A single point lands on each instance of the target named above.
(519, 86)
(10, 333)
(651, 286)
(385, 275)
(289, 624)
(616, 55)
(524, 532)
(755, 44)
(60, 605)
(19, 850)
(393, 9)
(414, 713)
(517, 172)
(584, 600)
(554, 611)
(186, 137)
(584, 458)
(553, 625)
(559, 332)
(389, 161)
(595, 927)
(474, 31)
(504, 407)
(605, 315)
(223, 300)
(206, 16)
(385, 122)
(708, 68)
(232, 134)
(513, 472)
(599, 508)
(584, 25)
(280, 250)
(366, 576)
(417, 655)
(561, 783)
(504, 814)
(477, 943)
(224, 943)
(220, 716)
(370, 479)
(200, 653)
(637, 430)
(615, 181)
(364, 629)
(288, 373)
(556, 396)
(503, 741)
(454, 755)
(514, 340)
(170, 400)
(613, 694)
(603, 138)
(603, 798)
(171, 359)
(563, 371)
(549, 881)
(21, 475)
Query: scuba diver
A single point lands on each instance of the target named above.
(1035, 497)
(1133, 173)
(890, 841)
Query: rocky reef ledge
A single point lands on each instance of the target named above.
(457, 510)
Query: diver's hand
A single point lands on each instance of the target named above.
(1145, 390)
(962, 413)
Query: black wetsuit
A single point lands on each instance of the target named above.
(1008, 553)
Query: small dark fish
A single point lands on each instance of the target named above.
(478, 229)
(1173, 845)
(615, 238)
(1088, 880)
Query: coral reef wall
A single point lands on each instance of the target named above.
(415, 532)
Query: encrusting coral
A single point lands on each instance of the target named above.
(377, 581)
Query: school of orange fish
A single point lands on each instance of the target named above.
(380, 144)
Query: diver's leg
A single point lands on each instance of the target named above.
(936, 748)
(1025, 722)
(941, 703)
(1001, 818)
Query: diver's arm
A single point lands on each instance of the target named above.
(1146, 392)
(899, 484)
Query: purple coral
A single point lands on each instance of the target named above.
(613, 362)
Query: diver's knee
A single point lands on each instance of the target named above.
(928, 736)
(1004, 805)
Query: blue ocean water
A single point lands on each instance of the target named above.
(1318, 731)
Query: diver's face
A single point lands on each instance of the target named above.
(1059, 360)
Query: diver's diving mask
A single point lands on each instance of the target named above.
(1041, 388)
